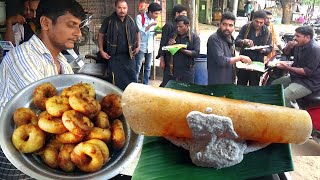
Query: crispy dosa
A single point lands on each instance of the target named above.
(155, 111)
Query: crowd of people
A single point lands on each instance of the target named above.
(124, 42)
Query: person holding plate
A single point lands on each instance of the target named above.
(221, 52)
(58, 28)
(251, 37)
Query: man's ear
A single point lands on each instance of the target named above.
(44, 22)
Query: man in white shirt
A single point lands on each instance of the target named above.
(147, 30)
(58, 28)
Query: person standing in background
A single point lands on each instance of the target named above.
(168, 31)
(221, 52)
(19, 28)
(119, 42)
(181, 64)
(252, 34)
(147, 30)
(276, 42)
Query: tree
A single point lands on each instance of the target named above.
(286, 11)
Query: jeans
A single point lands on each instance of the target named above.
(292, 91)
(147, 66)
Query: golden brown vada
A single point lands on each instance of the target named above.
(42, 93)
(64, 158)
(51, 124)
(118, 135)
(57, 105)
(103, 147)
(87, 157)
(111, 104)
(28, 138)
(24, 116)
(102, 120)
(76, 122)
(84, 104)
(99, 133)
(68, 137)
(80, 88)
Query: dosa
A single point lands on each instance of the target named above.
(155, 111)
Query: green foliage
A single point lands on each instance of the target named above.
(311, 2)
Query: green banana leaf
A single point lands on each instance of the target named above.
(161, 160)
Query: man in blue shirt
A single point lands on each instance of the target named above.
(147, 30)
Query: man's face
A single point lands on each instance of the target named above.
(66, 25)
(182, 13)
(33, 8)
(227, 27)
(182, 28)
(154, 15)
(122, 9)
(26, 10)
(258, 23)
(268, 20)
(301, 39)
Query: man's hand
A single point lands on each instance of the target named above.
(171, 41)
(136, 50)
(263, 50)
(292, 44)
(162, 63)
(16, 19)
(247, 42)
(105, 55)
(245, 59)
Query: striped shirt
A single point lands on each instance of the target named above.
(25, 64)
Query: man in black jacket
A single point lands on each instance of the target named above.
(168, 31)
(252, 34)
(220, 50)
(118, 42)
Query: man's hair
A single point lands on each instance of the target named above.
(228, 16)
(118, 1)
(56, 8)
(268, 12)
(178, 9)
(260, 14)
(305, 30)
(182, 18)
(153, 7)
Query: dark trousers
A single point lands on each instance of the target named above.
(123, 69)
(251, 78)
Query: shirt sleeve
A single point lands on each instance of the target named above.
(139, 24)
(314, 62)
(216, 53)
(240, 36)
(196, 46)
(104, 25)
(166, 30)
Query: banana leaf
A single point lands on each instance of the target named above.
(162, 160)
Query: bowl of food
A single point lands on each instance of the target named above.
(33, 165)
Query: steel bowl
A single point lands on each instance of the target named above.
(32, 165)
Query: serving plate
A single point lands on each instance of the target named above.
(256, 47)
(32, 165)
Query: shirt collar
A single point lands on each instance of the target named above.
(39, 46)
(308, 45)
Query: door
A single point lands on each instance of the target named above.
(203, 12)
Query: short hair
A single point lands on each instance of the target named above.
(56, 8)
(118, 1)
(153, 7)
(178, 8)
(182, 18)
(228, 15)
(268, 12)
(305, 30)
(259, 14)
